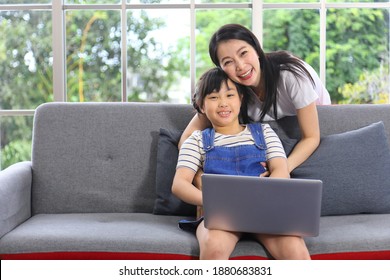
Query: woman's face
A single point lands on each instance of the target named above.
(240, 62)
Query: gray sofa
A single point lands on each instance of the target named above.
(97, 186)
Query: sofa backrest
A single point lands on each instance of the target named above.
(341, 118)
(101, 157)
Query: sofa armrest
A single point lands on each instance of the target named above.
(15, 195)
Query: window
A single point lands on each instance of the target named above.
(73, 50)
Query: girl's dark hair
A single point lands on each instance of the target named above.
(270, 63)
(211, 81)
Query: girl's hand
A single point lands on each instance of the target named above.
(266, 172)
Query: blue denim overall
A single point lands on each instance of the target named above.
(238, 160)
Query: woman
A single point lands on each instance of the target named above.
(282, 84)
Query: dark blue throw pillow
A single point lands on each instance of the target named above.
(166, 202)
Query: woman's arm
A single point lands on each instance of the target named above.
(198, 122)
(183, 188)
(310, 136)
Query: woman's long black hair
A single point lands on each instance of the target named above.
(270, 63)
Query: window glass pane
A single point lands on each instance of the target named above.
(92, 1)
(25, 1)
(208, 22)
(15, 140)
(357, 1)
(223, 1)
(93, 45)
(292, 1)
(25, 59)
(158, 1)
(357, 55)
(158, 55)
(302, 38)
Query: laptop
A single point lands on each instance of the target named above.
(262, 204)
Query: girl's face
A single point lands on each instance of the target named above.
(240, 62)
(222, 108)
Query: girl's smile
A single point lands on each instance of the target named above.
(222, 108)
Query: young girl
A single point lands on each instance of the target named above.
(282, 85)
(218, 150)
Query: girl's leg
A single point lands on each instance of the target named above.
(216, 244)
(285, 247)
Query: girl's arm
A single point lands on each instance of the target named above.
(198, 122)
(183, 188)
(310, 136)
(278, 167)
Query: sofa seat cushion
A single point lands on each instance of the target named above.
(140, 233)
(364, 236)
(148, 236)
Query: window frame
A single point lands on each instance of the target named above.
(58, 9)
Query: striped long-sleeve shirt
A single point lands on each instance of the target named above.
(192, 154)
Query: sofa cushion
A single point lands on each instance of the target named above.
(167, 203)
(99, 233)
(122, 236)
(354, 167)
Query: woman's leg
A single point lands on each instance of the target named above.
(216, 244)
(284, 247)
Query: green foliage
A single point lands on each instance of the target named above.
(371, 88)
(294, 30)
(15, 151)
(25, 64)
(356, 44)
(93, 56)
(15, 139)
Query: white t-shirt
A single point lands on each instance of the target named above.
(192, 154)
(293, 93)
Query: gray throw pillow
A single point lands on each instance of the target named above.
(166, 202)
(354, 167)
